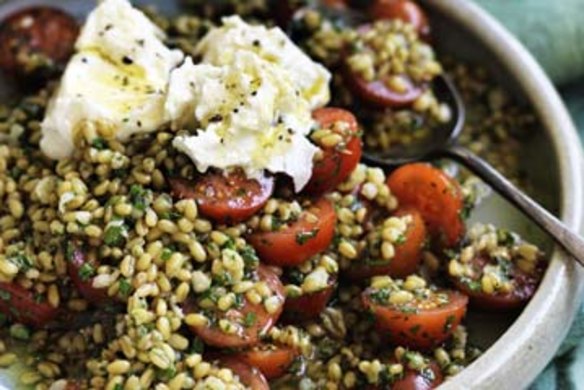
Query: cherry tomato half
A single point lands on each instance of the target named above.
(81, 273)
(408, 253)
(272, 361)
(416, 326)
(249, 335)
(20, 305)
(524, 287)
(308, 306)
(377, 93)
(248, 375)
(309, 235)
(337, 162)
(35, 38)
(405, 10)
(225, 198)
(415, 380)
(435, 195)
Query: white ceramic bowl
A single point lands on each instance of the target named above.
(519, 347)
(523, 351)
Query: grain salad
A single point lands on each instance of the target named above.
(185, 206)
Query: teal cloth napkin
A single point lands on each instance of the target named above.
(553, 31)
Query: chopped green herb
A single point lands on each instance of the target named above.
(21, 261)
(466, 210)
(249, 256)
(197, 346)
(140, 197)
(506, 238)
(400, 240)
(167, 374)
(238, 300)
(166, 254)
(380, 296)
(408, 310)
(171, 215)
(86, 272)
(448, 324)
(297, 366)
(250, 319)
(125, 287)
(294, 276)
(99, 143)
(303, 237)
(114, 235)
(69, 251)
(327, 348)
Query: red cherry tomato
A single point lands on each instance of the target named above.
(415, 325)
(20, 305)
(308, 306)
(227, 198)
(335, 3)
(34, 37)
(81, 273)
(248, 375)
(272, 361)
(249, 334)
(407, 254)
(337, 162)
(415, 380)
(309, 235)
(435, 195)
(405, 10)
(377, 93)
(525, 286)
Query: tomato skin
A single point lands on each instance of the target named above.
(407, 255)
(308, 306)
(19, 304)
(33, 31)
(336, 165)
(432, 326)
(378, 94)
(435, 195)
(248, 375)
(97, 296)
(225, 199)
(250, 336)
(282, 248)
(405, 10)
(526, 286)
(413, 380)
(272, 362)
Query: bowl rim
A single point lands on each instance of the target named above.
(523, 351)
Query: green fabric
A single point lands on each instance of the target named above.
(553, 30)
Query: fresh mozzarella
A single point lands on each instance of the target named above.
(117, 81)
(248, 114)
(221, 45)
